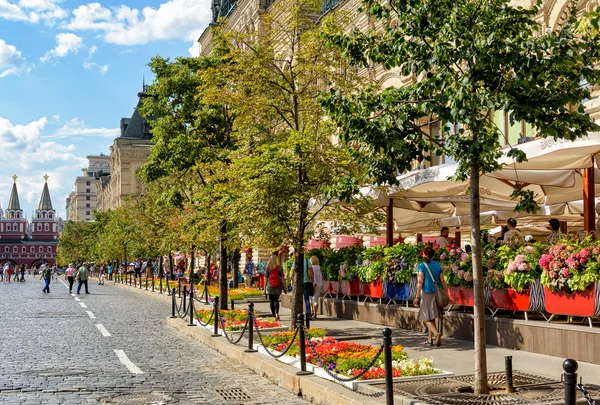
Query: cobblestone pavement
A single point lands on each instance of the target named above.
(53, 351)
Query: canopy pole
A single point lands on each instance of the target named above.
(589, 197)
(389, 223)
(457, 238)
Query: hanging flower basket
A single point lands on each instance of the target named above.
(373, 289)
(398, 291)
(510, 299)
(351, 288)
(581, 303)
(461, 296)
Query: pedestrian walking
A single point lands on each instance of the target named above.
(55, 274)
(7, 273)
(274, 285)
(70, 276)
(260, 269)
(82, 277)
(249, 271)
(317, 284)
(109, 268)
(16, 272)
(22, 273)
(430, 275)
(47, 277)
(101, 275)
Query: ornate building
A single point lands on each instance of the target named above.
(127, 154)
(82, 201)
(30, 243)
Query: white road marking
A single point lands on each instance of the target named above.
(128, 363)
(102, 330)
(91, 314)
(77, 299)
(82, 305)
(73, 295)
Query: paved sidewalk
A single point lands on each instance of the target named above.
(454, 355)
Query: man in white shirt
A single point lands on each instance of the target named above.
(443, 239)
(513, 235)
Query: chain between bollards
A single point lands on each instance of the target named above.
(387, 361)
(302, 342)
(173, 300)
(216, 316)
(570, 381)
(250, 348)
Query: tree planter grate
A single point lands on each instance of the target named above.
(529, 389)
(233, 394)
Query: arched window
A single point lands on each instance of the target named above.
(41, 250)
(50, 215)
(23, 249)
(15, 249)
(32, 249)
(6, 249)
(46, 227)
(39, 227)
(49, 250)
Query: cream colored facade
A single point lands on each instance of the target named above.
(82, 201)
(127, 154)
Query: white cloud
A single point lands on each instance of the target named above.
(32, 11)
(66, 43)
(92, 51)
(76, 128)
(93, 65)
(126, 26)
(11, 60)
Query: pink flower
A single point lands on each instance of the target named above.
(509, 271)
(565, 273)
(461, 274)
(458, 250)
(520, 258)
(582, 260)
(464, 257)
(452, 252)
(455, 268)
(443, 256)
(553, 274)
(523, 267)
(528, 249)
(512, 266)
(468, 276)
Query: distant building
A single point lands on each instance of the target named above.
(82, 201)
(127, 154)
(32, 243)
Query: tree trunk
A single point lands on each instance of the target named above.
(481, 382)
(207, 265)
(235, 267)
(223, 278)
(171, 269)
(298, 278)
(161, 269)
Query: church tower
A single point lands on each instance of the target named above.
(14, 225)
(44, 224)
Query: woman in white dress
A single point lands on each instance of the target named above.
(317, 284)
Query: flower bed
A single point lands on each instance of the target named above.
(232, 293)
(235, 320)
(351, 359)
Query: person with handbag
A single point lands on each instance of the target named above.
(431, 295)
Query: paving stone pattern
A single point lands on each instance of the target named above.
(52, 352)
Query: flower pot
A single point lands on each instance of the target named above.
(331, 287)
(351, 287)
(510, 299)
(582, 303)
(461, 296)
(398, 291)
(373, 289)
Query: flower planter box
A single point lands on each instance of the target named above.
(331, 287)
(373, 289)
(351, 288)
(210, 327)
(461, 296)
(398, 291)
(510, 299)
(581, 303)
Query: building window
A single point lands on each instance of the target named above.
(15, 249)
(87, 183)
(46, 227)
(87, 190)
(23, 249)
(39, 227)
(32, 249)
(87, 197)
(87, 205)
(6, 249)
(87, 213)
(41, 250)
(50, 215)
(49, 249)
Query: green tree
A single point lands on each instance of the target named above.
(74, 245)
(467, 59)
(287, 169)
(191, 143)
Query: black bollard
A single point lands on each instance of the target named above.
(216, 316)
(509, 374)
(307, 320)
(174, 304)
(191, 306)
(184, 294)
(300, 325)
(160, 285)
(152, 282)
(179, 286)
(206, 293)
(570, 381)
(232, 304)
(387, 361)
(250, 348)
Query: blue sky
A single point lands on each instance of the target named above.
(69, 70)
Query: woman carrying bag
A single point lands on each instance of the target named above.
(430, 279)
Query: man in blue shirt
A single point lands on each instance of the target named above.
(249, 271)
